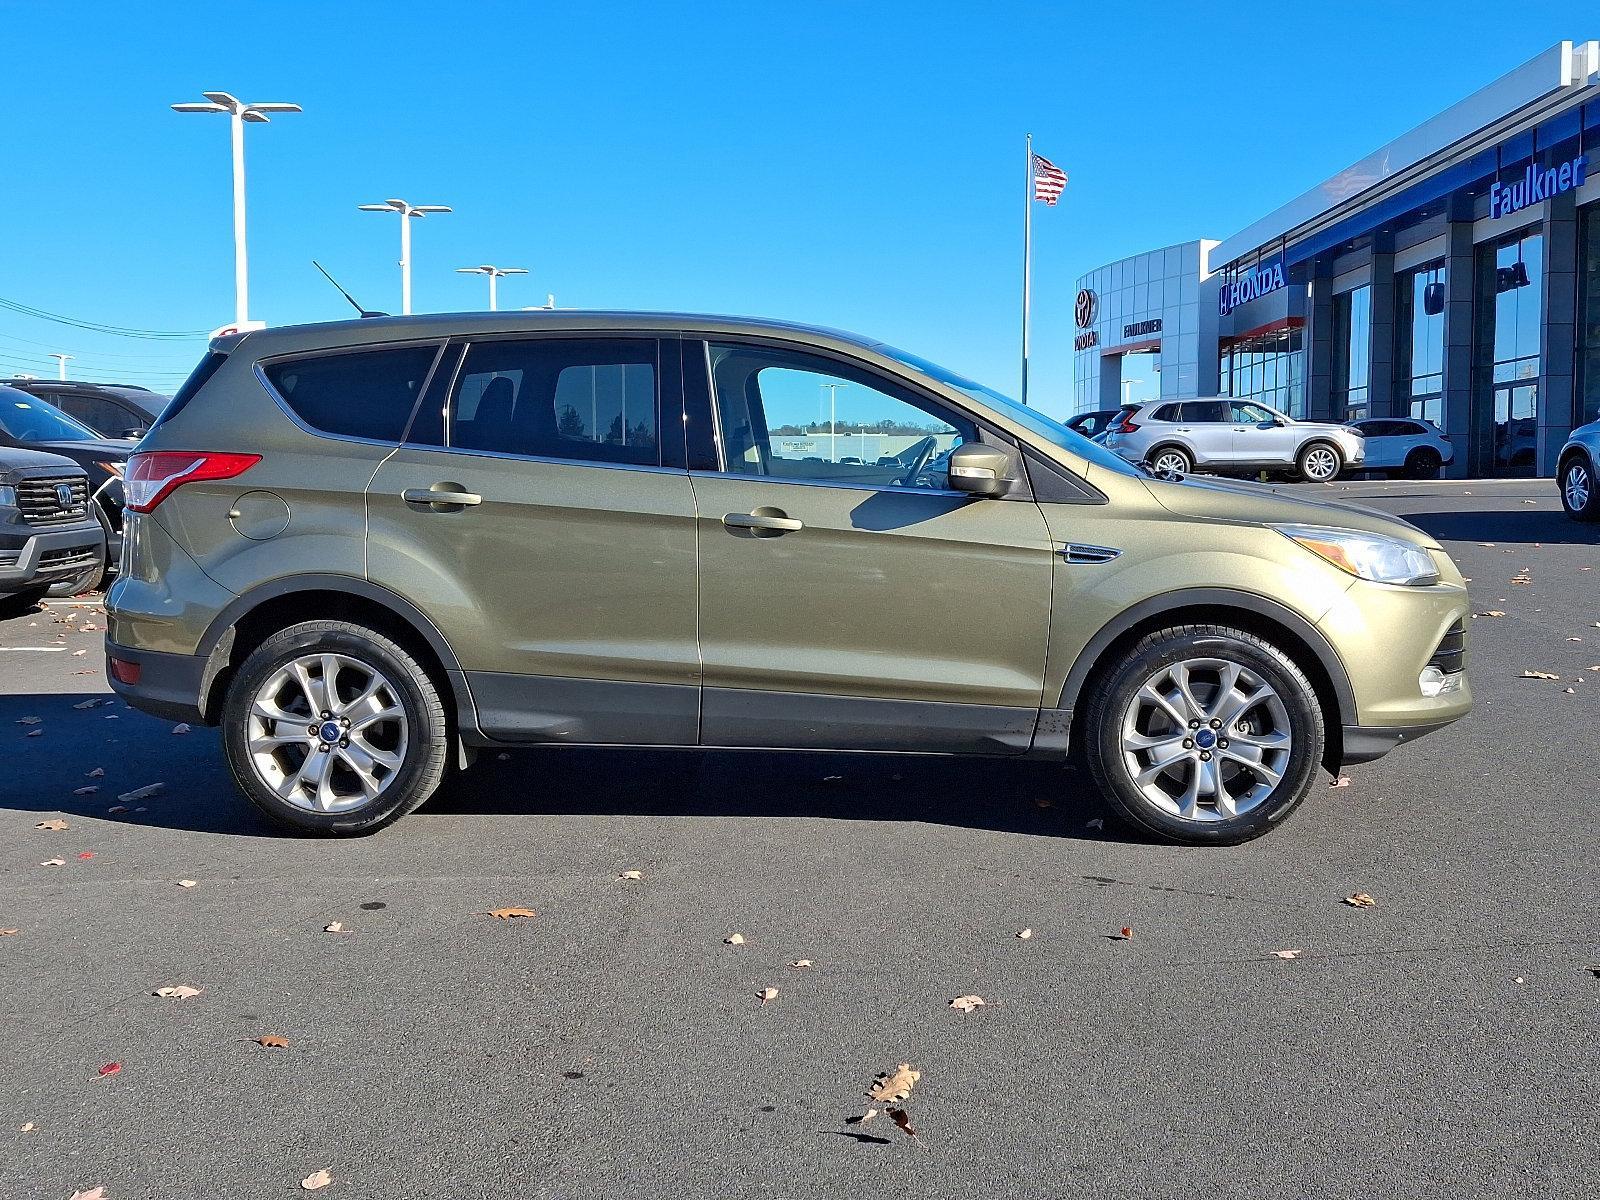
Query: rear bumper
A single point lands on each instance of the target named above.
(30, 568)
(169, 685)
(1363, 743)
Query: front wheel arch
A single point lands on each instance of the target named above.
(1323, 443)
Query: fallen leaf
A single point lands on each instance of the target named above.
(55, 823)
(631, 875)
(29, 720)
(97, 773)
(894, 1085)
(182, 992)
(76, 653)
(1127, 933)
(801, 963)
(1521, 579)
(86, 854)
(1539, 675)
(967, 1003)
(186, 883)
(1493, 612)
(1360, 900)
(1044, 802)
(181, 727)
(1342, 781)
(898, 1116)
(88, 789)
(35, 733)
(1286, 953)
(96, 702)
(1570, 691)
(1096, 823)
(1024, 934)
(54, 862)
(117, 808)
(734, 939)
(1574, 639)
(768, 993)
(334, 928)
(508, 914)
(9, 932)
(273, 1040)
(28, 1128)
(144, 793)
(863, 1118)
(98, 1193)
(315, 1183)
(110, 1069)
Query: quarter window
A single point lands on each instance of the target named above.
(583, 399)
(787, 415)
(360, 393)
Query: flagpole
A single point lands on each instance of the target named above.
(1027, 264)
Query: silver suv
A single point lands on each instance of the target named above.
(1223, 436)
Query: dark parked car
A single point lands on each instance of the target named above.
(111, 410)
(29, 423)
(49, 537)
(1092, 424)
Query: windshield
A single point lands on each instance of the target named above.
(1035, 421)
(30, 420)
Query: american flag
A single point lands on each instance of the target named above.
(1049, 180)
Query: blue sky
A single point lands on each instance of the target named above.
(852, 165)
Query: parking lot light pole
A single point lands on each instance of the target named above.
(406, 211)
(494, 274)
(238, 113)
(61, 363)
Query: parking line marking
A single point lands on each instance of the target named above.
(35, 649)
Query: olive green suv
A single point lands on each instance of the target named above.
(368, 550)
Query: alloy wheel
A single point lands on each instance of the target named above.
(327, 732)
(1206, 739)
(1170, 461)
(1321, 464)
(1577, 487)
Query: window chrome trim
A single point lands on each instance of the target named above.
(503, 455)
(844, 487)
(260, 365)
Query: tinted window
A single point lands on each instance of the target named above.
(198, 378)
(106, 416)
(788, 415)
(585, 399)
(31, 420)
(358, 393)
(1205, 412)
(1167, 412)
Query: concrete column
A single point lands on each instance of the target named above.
(1110, 381)
(1459, 301)
(1318, 341)
(1558, 337)
(1383, 398)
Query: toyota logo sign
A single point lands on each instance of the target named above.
(1086, 308)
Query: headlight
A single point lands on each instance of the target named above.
(8, 496)
(1368, 556)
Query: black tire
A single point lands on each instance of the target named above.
(1302, 458)
(1424, 463)
(422, 765)
(1116, 689)
(1578, 479)
(1175, 452)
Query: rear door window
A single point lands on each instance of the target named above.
(355, 393)
(1205, 412)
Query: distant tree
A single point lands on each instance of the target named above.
(614, 434)
(570, 424)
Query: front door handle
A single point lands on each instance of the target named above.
(768, 522)
(441, 495)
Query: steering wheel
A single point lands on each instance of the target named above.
(924, 451)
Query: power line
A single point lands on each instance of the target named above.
(165, 356)
(159, 335)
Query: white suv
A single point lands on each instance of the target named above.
(1224, 436)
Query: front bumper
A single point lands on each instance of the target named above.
(1361, 743)
(45, 558)
(167, 685)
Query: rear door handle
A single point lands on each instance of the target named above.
(441, 494)
(770, 519)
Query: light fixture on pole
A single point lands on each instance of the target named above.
(494, 274)
(1127, 389)
(238, 113)
(61, 362)
(406, 211)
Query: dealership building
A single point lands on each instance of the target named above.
(1453, 274)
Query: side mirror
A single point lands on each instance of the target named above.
(983, 471)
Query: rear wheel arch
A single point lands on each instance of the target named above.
(262, 611)
(1267, 619)
(1161, 447)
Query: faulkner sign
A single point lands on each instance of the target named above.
(1142, 328)
(1536, 186)
(1263, 281)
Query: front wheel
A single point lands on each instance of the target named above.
(1204, 735)
(333, 728)
(1319, 462)
(1579, 495)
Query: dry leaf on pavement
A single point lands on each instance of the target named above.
(9, 932)
(1024, 934)
(29, 720)
(1127, 933)
(1539, 675)
(1286, 953)
(186, 883)
(801, 963)
(967, 1003)
(863, 1118)
(181, 727)
(509, 914)
(110, 1069)
(87, 789)
(336, 927)
(1360, 900)
(1341, 781)
(899, 1117)
(182, 992)
(97, 773)
(98, 1193)
(315, 1183)
(28, 1128)
(54, 862)
(631, 875)
(273, 1040)
(55, 823)
(144, 793)
(894, 1086)
(1493, 612)
(768, 993)
(734, 939)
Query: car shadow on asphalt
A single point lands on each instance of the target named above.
(1530, 527)
(51, 772)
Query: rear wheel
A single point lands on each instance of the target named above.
(1579, 495)
(1204, 735)
(333, 728)
(1423, 463)
(1171, 458)
(1319, 462)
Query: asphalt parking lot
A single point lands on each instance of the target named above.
(1443, 1041)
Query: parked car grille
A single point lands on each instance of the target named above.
(41, 505)
(1451, 656)
(70, 556)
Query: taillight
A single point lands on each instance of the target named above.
(154, 476)
(1127, 426)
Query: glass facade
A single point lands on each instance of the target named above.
(1269, 368)
(1163, 285)
(1510, 305)
(1589, 316)
(1352, 348)
(1419, 341)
